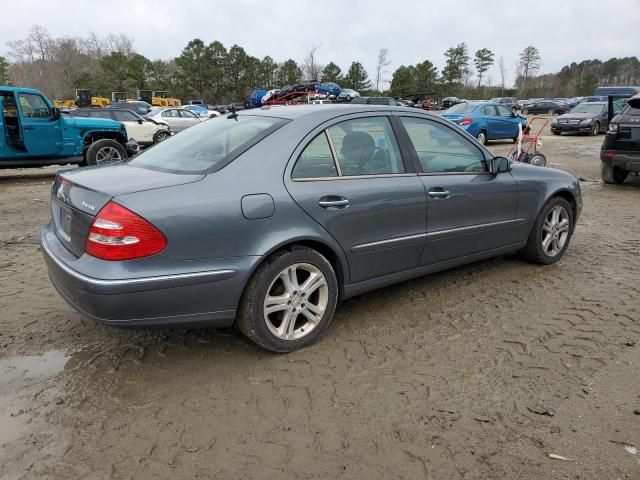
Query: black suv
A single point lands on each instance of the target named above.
(620, 153)
(375, 101)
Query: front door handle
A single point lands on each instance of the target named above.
(333, 203)
(27, 128)
(439, 193)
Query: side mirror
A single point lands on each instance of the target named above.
(56, 113)
(499, 165)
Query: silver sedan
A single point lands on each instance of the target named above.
(178, 119)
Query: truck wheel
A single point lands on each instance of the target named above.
(612, 175)
(105, 152)
(289, 300)
(161, 136)
(551, 233)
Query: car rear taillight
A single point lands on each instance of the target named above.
(119, 234)
(608, 154)
(466, 121)
(613, 128)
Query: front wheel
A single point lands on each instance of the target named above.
(289, 301)
(525, 111)
(161, 136)
(105, 152)
(551, 233)
(595, 129)
(538, 160)
(612, 175)
(551, 112)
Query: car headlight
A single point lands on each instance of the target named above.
(586, 121)
(554, 121)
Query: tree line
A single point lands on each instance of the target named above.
(219, 74)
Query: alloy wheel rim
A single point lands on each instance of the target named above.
(162, 136)
(107, 155)
(296, 301)
(555, 231)
(482, 138)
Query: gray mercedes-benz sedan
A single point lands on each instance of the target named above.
(267, 218)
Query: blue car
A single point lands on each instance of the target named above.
(329, 89)
(485, 120)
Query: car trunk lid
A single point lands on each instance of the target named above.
(78, 195)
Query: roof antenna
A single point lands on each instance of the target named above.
(234, 114)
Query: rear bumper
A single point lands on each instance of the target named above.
(183, 299)
(627, 161)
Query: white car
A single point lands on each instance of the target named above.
(202, 111)
(177, 118)
(144, 131)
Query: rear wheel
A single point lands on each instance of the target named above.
(289, 301)
(551, 233)
(105, 152)
(482, 137)
(612, 175)
(551, 112)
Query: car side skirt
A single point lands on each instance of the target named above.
(380, 282)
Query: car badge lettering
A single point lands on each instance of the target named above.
(87, 205)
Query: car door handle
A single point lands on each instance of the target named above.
(334, 203)
(439, 193)
(27, 128)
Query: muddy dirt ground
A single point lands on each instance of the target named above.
(478, 372)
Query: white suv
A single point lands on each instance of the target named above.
(144, 131)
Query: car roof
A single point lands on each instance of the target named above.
(19, 89)
(324, 111)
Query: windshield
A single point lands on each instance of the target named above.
(588, 108)
(207, 146)
(462, 108)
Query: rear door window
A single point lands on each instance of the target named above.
(366, 146)
(316, 160)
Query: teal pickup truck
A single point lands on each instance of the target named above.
(33, 133)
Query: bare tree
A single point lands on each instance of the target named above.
(312, 68)
(503, 70)
(119, 43)
(382, 63)
(39, 38)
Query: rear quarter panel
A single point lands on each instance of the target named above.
(204, 220)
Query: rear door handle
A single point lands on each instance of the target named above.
(333, 203)
(439, 193)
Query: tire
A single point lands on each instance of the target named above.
(595, 130)
(551, 112)
(536, 251)
(263, 328)
(514, 139)
(525, 111)
(161, 136)
(538, 160)
(612, 175)
(514, 110)
(482, 137)
(105, 152)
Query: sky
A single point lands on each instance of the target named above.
(563, 30)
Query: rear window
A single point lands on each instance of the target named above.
(632, 112)
(463, 108)
(208, 146)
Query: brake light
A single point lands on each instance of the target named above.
(608, 154)
(119, 234)
(466, 121)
